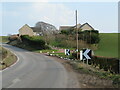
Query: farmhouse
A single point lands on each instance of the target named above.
(83, 27)
(41, 28)
(26, 30)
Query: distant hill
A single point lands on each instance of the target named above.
(108, 45)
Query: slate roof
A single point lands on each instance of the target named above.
(35, 29)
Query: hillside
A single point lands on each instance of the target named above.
(108, 45)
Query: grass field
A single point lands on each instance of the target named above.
(4, 39)
(108, 45)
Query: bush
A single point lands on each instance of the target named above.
(91, 37)
(71, 56)
(108, 64)
(116, 80)
(75, 54)
(35, 42)
(68, 32)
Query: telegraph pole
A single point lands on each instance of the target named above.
(90, 38)
(77, 34)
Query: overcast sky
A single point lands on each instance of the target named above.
(102, 16)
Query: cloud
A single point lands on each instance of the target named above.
(56, 14)
(53, 13)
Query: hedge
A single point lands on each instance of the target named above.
(108, 64)
(33, 42)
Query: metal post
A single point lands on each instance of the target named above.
(83, 60)
(119, 66)
(77, 34)
(87, 61)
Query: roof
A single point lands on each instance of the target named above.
(78, 25)
(26, 25)
(35, 29)
(88, 25)
(65, 27)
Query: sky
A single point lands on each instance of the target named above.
(102, 16)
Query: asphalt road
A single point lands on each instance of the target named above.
(34, 70)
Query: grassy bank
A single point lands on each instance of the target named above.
(87, 69)
(7, 57)
(108, 45)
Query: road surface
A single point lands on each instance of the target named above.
(34, 70)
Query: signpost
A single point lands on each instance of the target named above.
(85, 54)
(67, 52)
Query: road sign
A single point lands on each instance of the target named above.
(67, 51)
(81, 55)
(85, 54)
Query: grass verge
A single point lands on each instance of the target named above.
(8, 60)
(88, 69)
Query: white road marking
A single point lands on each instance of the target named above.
(16, 80)
(13, 82)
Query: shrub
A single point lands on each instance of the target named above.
(75, 55)
(91, 37)
(35, 42)
(108, 64)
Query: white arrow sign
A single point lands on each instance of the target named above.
(86, 54)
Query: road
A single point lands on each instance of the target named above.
(34, 70)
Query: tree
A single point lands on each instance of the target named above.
(91, 37)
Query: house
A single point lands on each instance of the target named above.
(86, 26)
(40, 29)
(83, 27)
(31, 31)
(26, 30)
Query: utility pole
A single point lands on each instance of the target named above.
(77, 34)
(90, 37)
